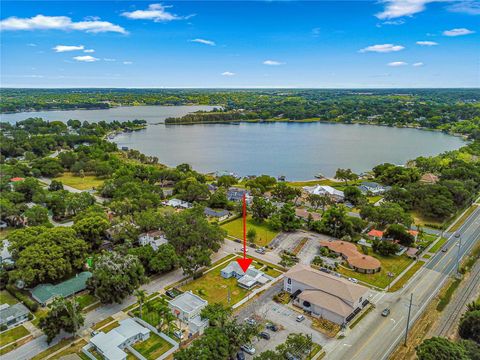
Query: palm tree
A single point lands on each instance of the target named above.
(140, 294)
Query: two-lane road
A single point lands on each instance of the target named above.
(375, 337)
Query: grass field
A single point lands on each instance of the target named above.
(214, 288)
(74, 348)
(102, 323)
(85, 300)
(264, 233)
(62, 343)
(86, 183)
(403, 280)
(7, 298)
(4, 233)
(464, 217)
(438, 245)
(423, 221)
(12, 335)
(153, 347)
(390, 264)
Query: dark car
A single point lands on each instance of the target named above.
(272, 327)
(264, 335)
(170, 294)
(386, 312)
(240, 355)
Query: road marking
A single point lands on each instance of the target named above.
(398, 322)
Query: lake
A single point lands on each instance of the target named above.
(296, 150)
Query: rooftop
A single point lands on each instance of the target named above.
(351, 253)
(8, 312)
(188, 302)
(45, 292)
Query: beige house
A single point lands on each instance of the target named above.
(323, 295)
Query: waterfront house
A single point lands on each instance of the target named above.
(334, 194)
(370, 187)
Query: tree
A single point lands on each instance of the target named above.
(46, 255)
(226, 181)
(284, 193)
(386, 213)
(296, 345)
(469, 327)
(191, 190)
(354, 195)
(92, 229)
(140, 295)
(76, 202)
(335, 222)
(471, 348)
(217, 314)
(64, 315)
(438, 348)
(398, 232)
(193, 259)
(261, 208)
(213, 345)
(345, 175)
(148, 220)
(218, 199)
(37, 215)
(251, 235)
(285, 218)
(156, 262)
(385, 248)
(317, 201)
(115, 276)
(55, 185)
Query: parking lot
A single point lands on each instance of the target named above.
(285, 318)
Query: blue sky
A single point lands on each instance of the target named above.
(318, 44)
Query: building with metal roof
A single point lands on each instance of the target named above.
(45, 293)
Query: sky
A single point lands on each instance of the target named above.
(240, 44)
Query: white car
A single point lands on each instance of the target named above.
(355, 281)
(250, 321)
(300, 318)
(178, 334)
(249, 349)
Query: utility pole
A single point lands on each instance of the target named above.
(408, 319)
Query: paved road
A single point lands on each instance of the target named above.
(375, 337)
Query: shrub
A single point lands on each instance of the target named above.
(31, 304)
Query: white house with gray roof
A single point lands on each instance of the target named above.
(12, 315)
(187, 308)
(245, 279)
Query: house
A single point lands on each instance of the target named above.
(236, 194)
(323, 295)
(5, 255)
(220, 215)
(304, 215)
(45, 293)
(177, 203)
(356, 260)
(187, 308)
(111, 344)
(246, 280)
(375, 234)
(326, 190)
(154, 238)
(12, 315)
(212, 187)
(370, 187)
(429, 178)
(16, 179)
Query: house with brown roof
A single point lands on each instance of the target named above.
(323, 295)
(429, 178)
(356, 260)
(304, 214)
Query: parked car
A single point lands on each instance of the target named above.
(93, 333)
(260, 250)
(264, 335)
(386, 312)
(248, 348)
(445, 249)
(250, 321)
(300, 318)
(170, 294)
(272, 327)
(355, 281)
(325, 270)
(291, 357)
(178, 334)
(240, 355)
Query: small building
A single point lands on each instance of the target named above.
(323, 295)
(187, 308)
(371, 187)
(177, 203)
(245, 279)
(212, 187)
(45, 293)
(13, 315)
(154, 238)
(16, 179)
(429, 178)
(305, 215)
(220, 215)
(5, 254)
(334, 194)
(359, 262)
(375, 234)
(236, 194)
(111, 344)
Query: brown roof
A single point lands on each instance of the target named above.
(302, 213)
(350, 252)
(429, 178)
(321, 283)
(326, 301)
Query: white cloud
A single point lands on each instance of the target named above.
(203, 41)
(458, 32)
(468, 7)
(107, 59)
(89, 51)
(32, 44)
(272, 63)
(42, 22)
(228, 73)
(127, 62)
(418, 64)
(398, 8)
(86, 58)
(65, 48)
(382, 48)
(155, 12)
(397, 63)
(426, 43)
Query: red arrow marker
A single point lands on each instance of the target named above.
(245, 262)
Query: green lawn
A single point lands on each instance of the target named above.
(74, 348)
(438, 245)
(426, 240)
(214, 288)
(153, 347)
(102, 323)
(85, 300)
(86, 183)
(152, 317)
(7, 298)
(4, 233)
(423, 221)
(403, 280)
(14, 334)
(264, 233)
(392, 264)
(460, 221)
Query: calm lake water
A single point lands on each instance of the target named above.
(296, 150)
